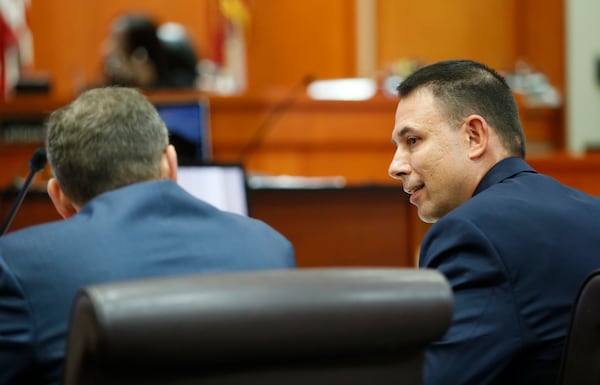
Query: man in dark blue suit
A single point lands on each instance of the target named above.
(515, 245)
(126, 219)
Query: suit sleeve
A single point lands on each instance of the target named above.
(485, 329)
(16, 331)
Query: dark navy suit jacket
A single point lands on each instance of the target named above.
(515, 255)
(142, 230)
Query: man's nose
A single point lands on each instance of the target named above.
(399, 167)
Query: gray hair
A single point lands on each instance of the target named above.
(107, 138)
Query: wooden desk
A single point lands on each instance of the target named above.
(36, 208)
(581, 172)
(363, 226)
(354, 226)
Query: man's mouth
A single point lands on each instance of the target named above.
(414, 193)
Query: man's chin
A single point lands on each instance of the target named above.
(426, 216)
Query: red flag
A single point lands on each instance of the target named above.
(16, 49)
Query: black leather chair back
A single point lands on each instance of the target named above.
(581, 355)
(305, 326)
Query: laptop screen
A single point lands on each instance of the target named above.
(222, 185)
(189, 128)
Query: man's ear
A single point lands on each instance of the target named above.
(61, 202)
(168, 163)
(478, 132)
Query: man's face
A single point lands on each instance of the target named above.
(431, 156)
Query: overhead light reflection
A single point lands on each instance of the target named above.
(342, 89)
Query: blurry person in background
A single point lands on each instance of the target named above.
(140, 52)
(182, 58)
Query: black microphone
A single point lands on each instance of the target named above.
(37, 163)
(276, 111)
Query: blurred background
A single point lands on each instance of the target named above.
(283, 41)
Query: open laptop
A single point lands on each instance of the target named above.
(222, 185)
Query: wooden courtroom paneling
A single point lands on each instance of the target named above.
(286, 39)
(36, 208)
(497, 32)
(581, 172)
(68, 34)
(311, 138)
(540, 37)
(15, 164)
(431, 30)
(306, 137)
(369, 226)
(290, 39)
(345, 138)
(18, 145)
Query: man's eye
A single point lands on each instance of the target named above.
(411, 140)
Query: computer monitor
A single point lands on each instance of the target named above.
(222, 185)
(189, 128)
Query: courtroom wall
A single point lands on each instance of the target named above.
(289, 39)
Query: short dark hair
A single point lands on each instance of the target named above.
(140, 32)
(467, 87)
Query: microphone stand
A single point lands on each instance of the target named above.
(260, 134)
(37, 163)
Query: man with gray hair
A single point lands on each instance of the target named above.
(127, 218)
